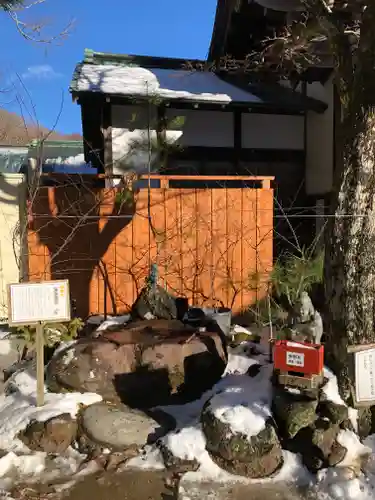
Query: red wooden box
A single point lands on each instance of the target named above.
(291, 356)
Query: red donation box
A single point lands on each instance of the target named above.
(298, 357)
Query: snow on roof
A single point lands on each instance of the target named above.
(164, 83)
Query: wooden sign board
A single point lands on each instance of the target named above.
(364, 365)
(35, 304)
(42, 302)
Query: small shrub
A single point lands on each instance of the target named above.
(53, 332)
(291, 275)
(296, 274)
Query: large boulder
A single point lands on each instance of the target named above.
(52, 436)
(254, 457)
(123, 365)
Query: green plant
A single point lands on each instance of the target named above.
(296, 274)
(291, 275)
(53, 332)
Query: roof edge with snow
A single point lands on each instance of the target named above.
(167, 79)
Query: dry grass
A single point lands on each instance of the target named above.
(14, 131)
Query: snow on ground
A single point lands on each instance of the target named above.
(17, 409)
(244, 402)
(246, 405)
(331, 392)
(240, 400)
(237, 399)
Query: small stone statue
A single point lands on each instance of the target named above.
(305, 324)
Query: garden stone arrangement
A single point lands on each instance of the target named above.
(122, 365)
(168, 389)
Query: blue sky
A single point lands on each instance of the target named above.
(174, 28)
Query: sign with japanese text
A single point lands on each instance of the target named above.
(295, 359)
(42, 302)
(365, 375)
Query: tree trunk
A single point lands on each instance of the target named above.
(350, 256)
(350, 243)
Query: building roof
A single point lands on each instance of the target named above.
(67, 143)
(241, 26)
(146, 78)
(12, 158)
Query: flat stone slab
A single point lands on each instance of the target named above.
(119, 427)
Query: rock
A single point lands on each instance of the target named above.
(253, 457)
(145, 332)
(312, 462)
(323, 437)
(119, 427)
(154, 302)
(53, 436)
(293, 412)
(365, 419)
(253, 370)
(347, 425)
(337, 455)
(176, 464)
(336, 413)
(124, 365)
(315, 444)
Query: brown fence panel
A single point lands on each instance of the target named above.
(209, 244)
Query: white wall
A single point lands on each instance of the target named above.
(185, 128)
(199, 128)
(12, 204)
(319, 147)
(272, 131)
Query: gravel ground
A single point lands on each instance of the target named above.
(155, 485)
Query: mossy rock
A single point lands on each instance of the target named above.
(335, 413)
(258, 456)
(293, 412)
(315, 444)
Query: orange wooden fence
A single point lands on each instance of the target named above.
(211, 245)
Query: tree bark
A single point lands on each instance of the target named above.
(350, 243)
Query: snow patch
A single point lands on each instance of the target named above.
(70, 160)
(114, 321)
(335, 484)
(165, 83)
(355, 448)
(299, 345)
(19, 408)
(151, 459)
(241, 329)
(5, 346)
(188, 443)
(245, 406)
(105, 323)
(331, 393)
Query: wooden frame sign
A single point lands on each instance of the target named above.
(42, 302)
(364, 371)
(34, 304)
